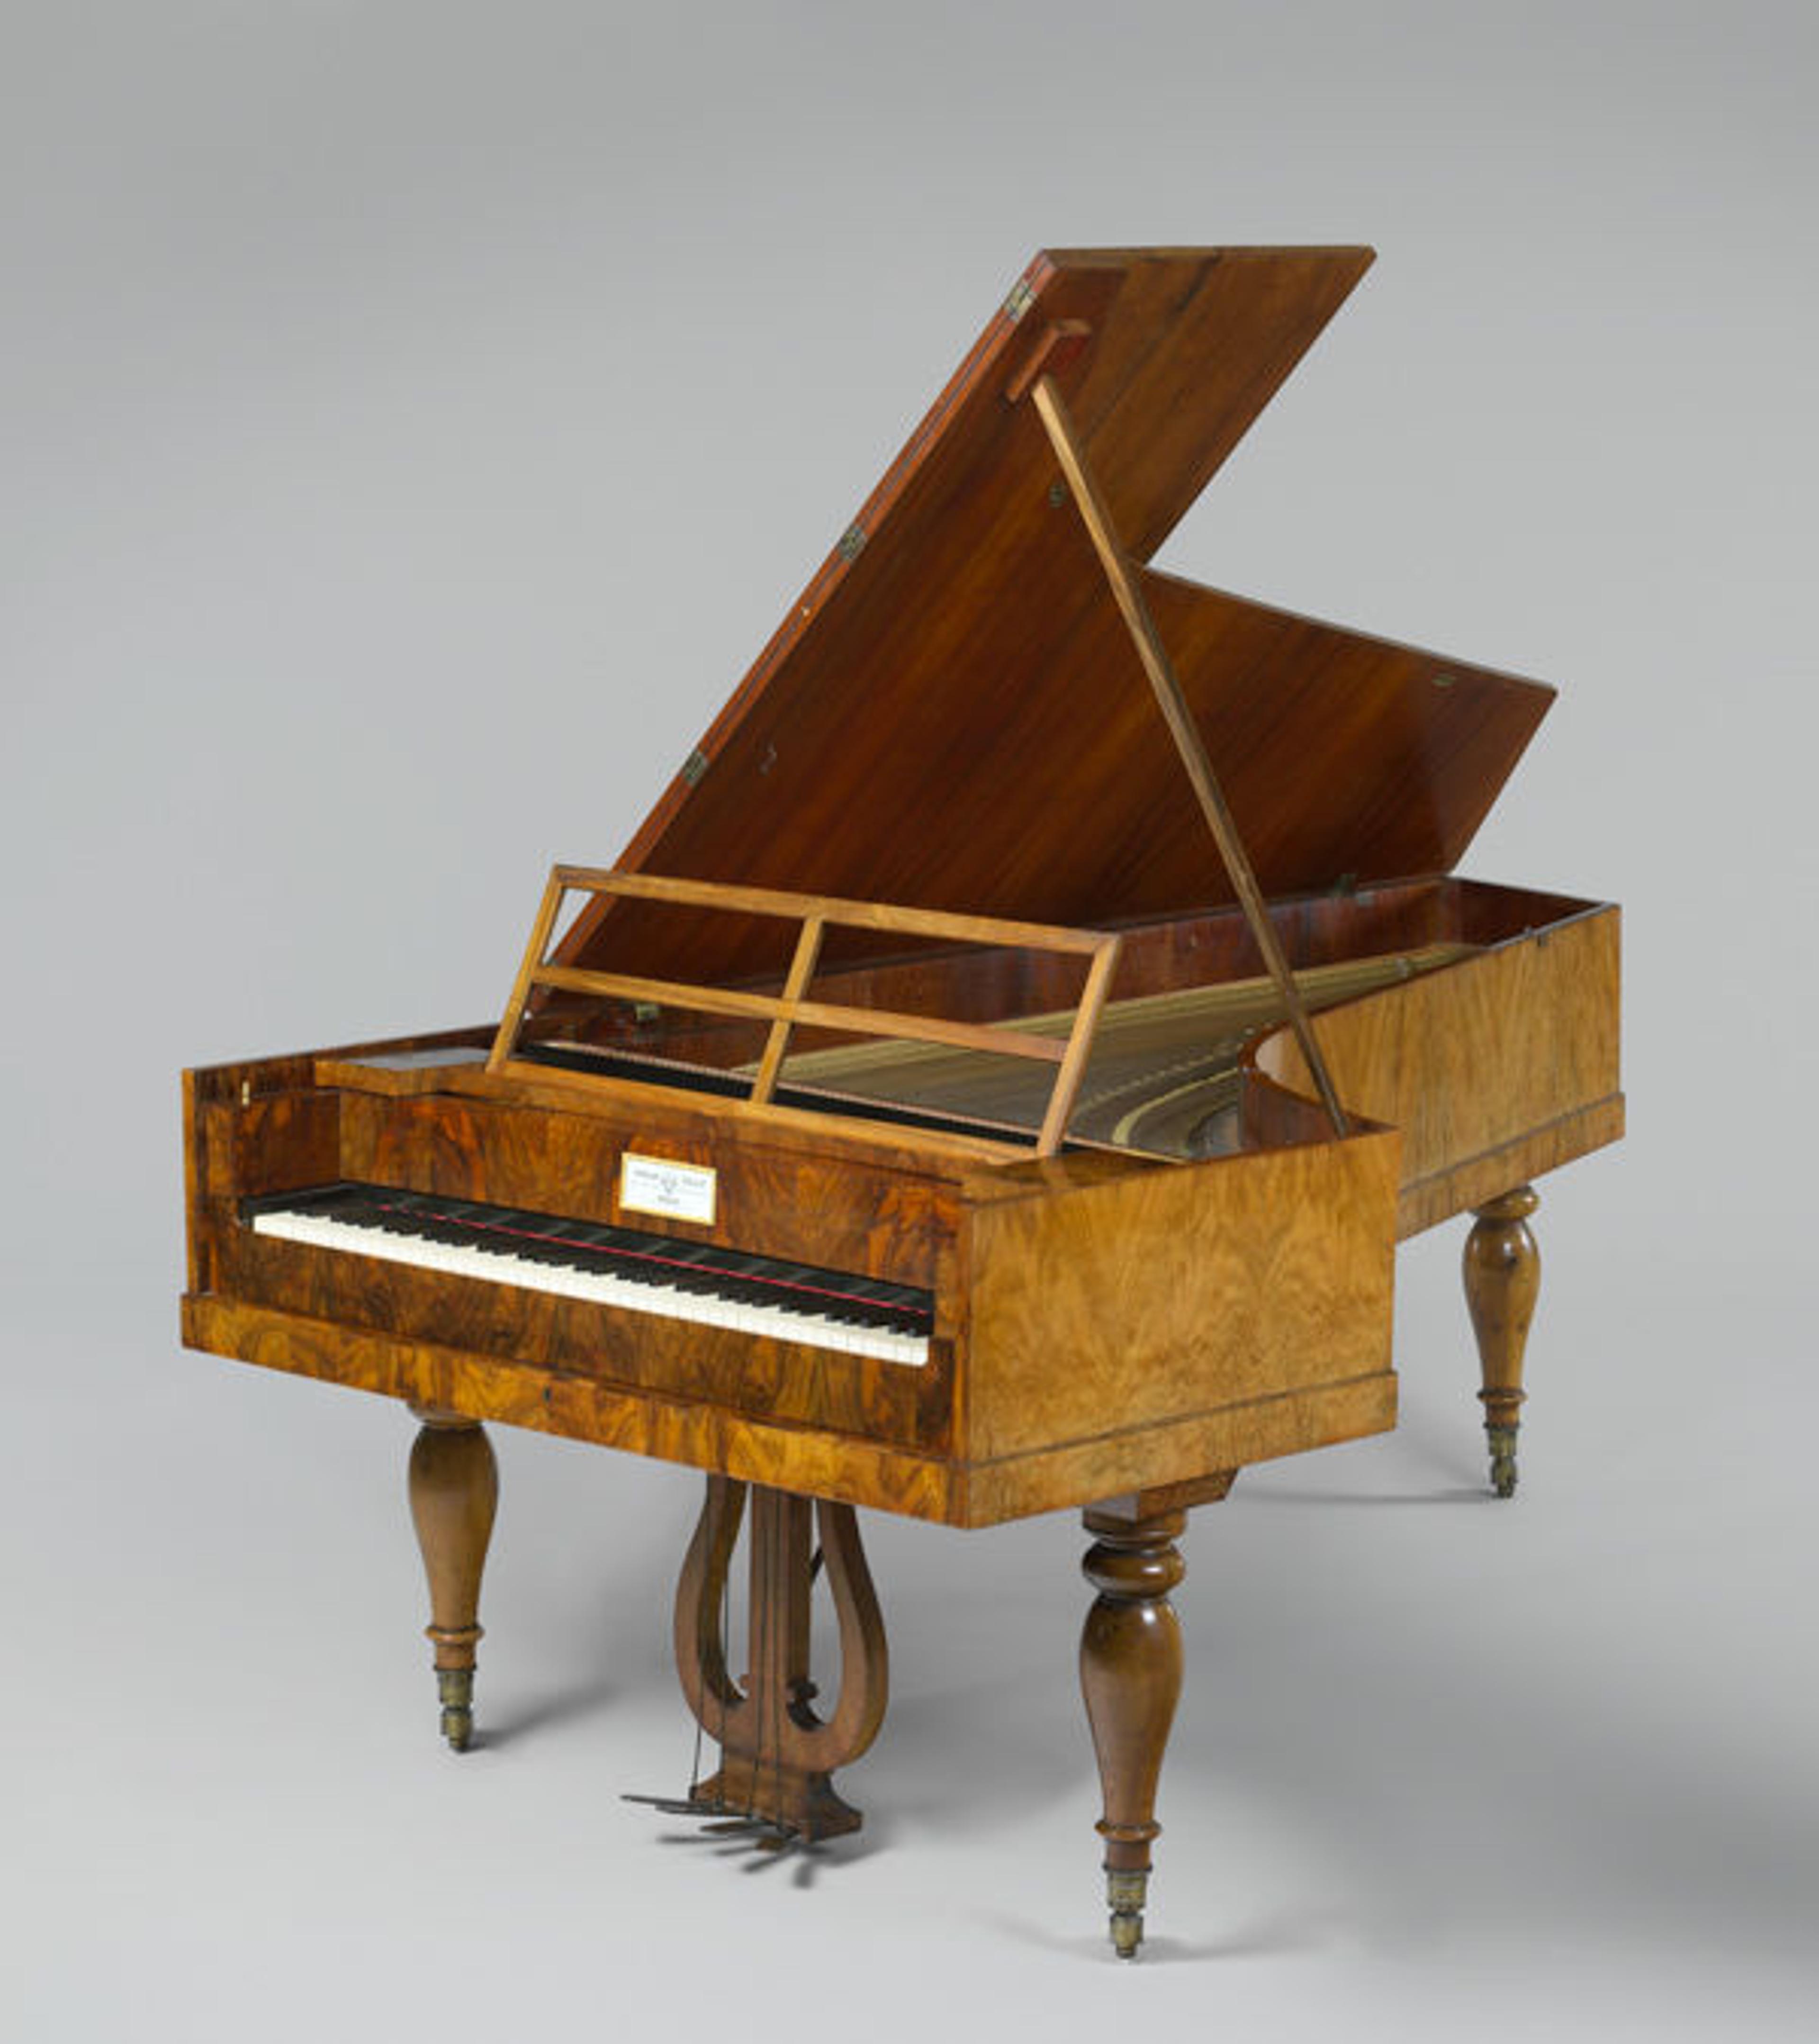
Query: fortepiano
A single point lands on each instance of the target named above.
(993, 1079)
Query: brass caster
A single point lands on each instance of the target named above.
(1503, 1441)
(456, 1687)
(1126, 1893)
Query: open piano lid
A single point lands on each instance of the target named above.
(953, 716)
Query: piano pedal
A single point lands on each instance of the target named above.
(671, 1806)
(719, 1820)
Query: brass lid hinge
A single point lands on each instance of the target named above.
(694, 766)
(1022, 296)
(852, 543)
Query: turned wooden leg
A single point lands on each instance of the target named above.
(1130, 1673)
(453, 1488)
(1502, 1276)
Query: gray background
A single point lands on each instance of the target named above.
(415, 418)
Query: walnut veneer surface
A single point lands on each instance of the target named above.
(1102, 1323)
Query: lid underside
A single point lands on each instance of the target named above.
(953, 716)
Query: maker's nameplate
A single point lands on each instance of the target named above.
(660, 1186)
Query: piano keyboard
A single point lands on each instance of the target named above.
(611, 1267)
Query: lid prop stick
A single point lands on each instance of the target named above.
(1173, 704)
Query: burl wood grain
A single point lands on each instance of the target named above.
(775, 1198)
(833, 1134)
(1495, 1069)
(1167, 1451)
(1128, 1327)
(283, 1140)
(198, 1244)
(1111, 1307)
(856, 1468)
(521, 1393)
(1105, 1326)
(791, 1382)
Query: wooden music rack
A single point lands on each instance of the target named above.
(813, 913)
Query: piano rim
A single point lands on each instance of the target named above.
(900, 1145)
(933, 1486)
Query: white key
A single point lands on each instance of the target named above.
(666, 1302)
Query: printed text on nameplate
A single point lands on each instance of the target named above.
(661, 1185)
